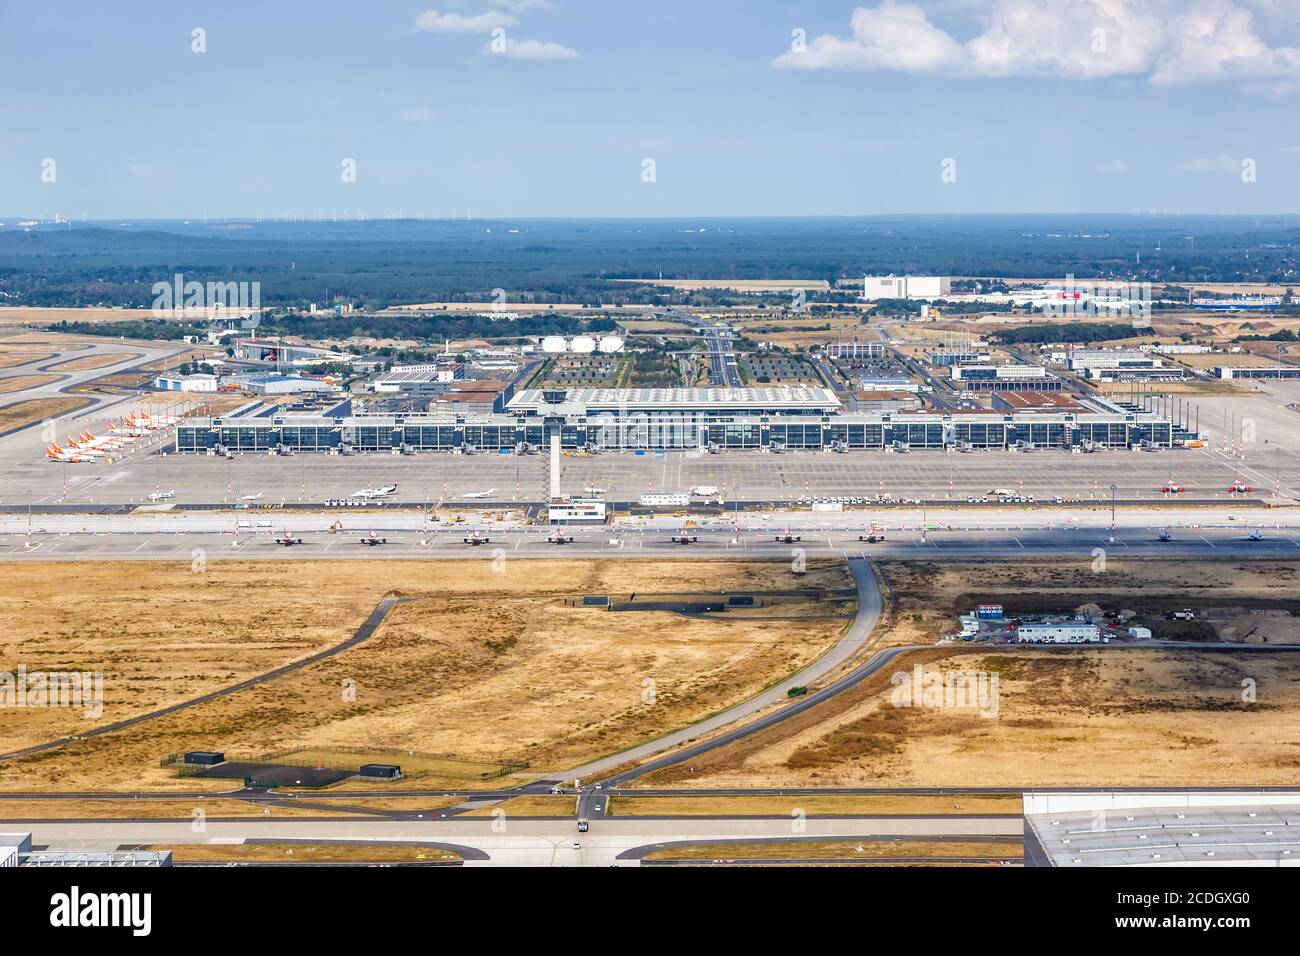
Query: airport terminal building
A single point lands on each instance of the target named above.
(712, 419)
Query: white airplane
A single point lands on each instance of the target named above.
(160, 495)
(128, 431)
(55, 453)
(593, 490)
(705, 491)
(79, 448)
(383, 492)
(256, 497)
(480, 494)
(110, 443)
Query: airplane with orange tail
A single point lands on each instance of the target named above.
(55, 453)
(92, 441)
(80, 448)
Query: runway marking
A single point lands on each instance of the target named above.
(1017, 541)
(1208, 541)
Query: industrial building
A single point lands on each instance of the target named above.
(1005, 378)
(856, 351)
(284, 385)
(1256, 371)
(905, 287)
(1058, 632)
(16, 850)
(772, 418)
(1122, 365)
(186, 383)
(283, 353)
(1160, 828)
(429, 379)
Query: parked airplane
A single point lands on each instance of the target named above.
(590, 489)
(127, 430)
(1172, 488)
(384, 492)
(287, 539)
(372, 539)
(872, 536)
(475, 540)
(480, 494)
(256, 497)
(788, 538)
(704, 491)
(56, 453)
(1240, 488)
(161, 495)
(91, 441)
(684, 538)
(81, 449)
(559, 538)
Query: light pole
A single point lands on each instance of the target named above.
(1113, 490)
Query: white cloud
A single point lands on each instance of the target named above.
(1168, 41)
(431, 21)
(1116, 167)
(416, 114)
(1220, 163)
(530, 50)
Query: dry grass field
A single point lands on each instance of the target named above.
(737, 285)
(870, 852)
(82, 808)
(304, 853)
(814, 805)
(36, 315)
(93, 362)
(21, 383)
(21, 414)
(13, 357)
(1104, 716)
(480, 665)
(530, 806)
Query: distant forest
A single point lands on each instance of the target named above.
(372, 265)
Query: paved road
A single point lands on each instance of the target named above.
(517, 842)
(854, 639)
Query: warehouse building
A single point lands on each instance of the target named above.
(1257, 371)
(905, 287)
(1005, 378)
(186, 383)
(284, 385)
(1058, 632)
(856, 351)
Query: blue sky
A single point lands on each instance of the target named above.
(859, 119)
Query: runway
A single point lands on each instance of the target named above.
(953, 534)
